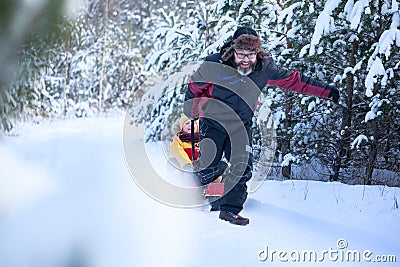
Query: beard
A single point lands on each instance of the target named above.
(246, 71)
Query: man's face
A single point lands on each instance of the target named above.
(245, 60)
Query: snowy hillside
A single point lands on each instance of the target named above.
(67, 199)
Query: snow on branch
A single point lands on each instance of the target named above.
(375, 104)
(287, 13)
(244, 7)
(384, 46)
(324, 24)
(356, 12)
(390, 37)
(220, 5)
(357, 142)
(287, 159)
(393, 9)
(376, 70)
(224, 30)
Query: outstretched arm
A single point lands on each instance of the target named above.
(297, 82)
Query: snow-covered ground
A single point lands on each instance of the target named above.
(68, 199)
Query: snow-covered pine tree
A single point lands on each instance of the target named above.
(7, 103)
(90, 63)
(378, 31)
(282, 102)
(314, 119)
(357, 40)
(19, 21)
(181, 37)
(107, 61)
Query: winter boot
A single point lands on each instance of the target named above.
(233, 218)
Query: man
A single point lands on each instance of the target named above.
(223, 92)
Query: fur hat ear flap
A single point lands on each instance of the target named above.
(228, 53)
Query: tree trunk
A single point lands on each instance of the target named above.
(102, 70)
(287, 170)
(67, 73)
(374, 146)
(343, 148)
(373, 153)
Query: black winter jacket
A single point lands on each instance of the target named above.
(219, 92)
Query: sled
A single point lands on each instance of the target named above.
(214, 190)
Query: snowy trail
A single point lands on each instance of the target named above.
(282, 229)
(67, 198)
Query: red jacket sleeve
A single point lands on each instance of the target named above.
(302, 84)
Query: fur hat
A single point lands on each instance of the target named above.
(244, 38)
(247, 42)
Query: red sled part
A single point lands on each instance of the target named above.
(214, 190)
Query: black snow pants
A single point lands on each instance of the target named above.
(233, 142)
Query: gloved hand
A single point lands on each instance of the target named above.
(334, 94)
